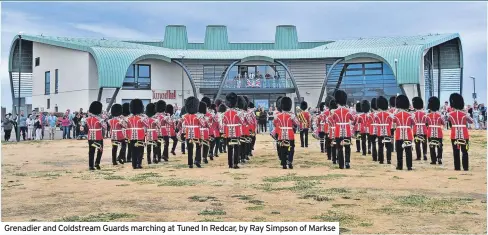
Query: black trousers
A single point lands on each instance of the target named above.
(286, 153)
(364, 142)
(198, 152)
(130, 145)
(331, 149)
(420, 152)
(205, 150)
(408, 155)
(123, 150)
(152, 149)
(435, 156)
(23, 130)
(392, 138)
(244, 148)
(183, 141)
(456, 149)
(381, 145)
(92, 162)
(322, 141)
(304, 137)
(136, 153)
(253, 142)
(218, 146)
(358, 141)
(7, 135)
(343, 150)
(115, 147)
(263, 127)
(157, 151)
(372, 141)
(232, 152)
(166, 146)
(212, 147)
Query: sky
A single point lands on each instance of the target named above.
(253, 22)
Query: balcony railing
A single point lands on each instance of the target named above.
(249, 83)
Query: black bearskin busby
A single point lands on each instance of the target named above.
(456, 101)
(126, 109)
(327, 100)
(393, 101)
(222, 108)
(160, 106)
(150, 109)
(218, 102)
(365, 106)
(417, 103)
(207, 101)
(241, 103)
(434, 104)
(340, 97)
(202, 108)
(278, 104)
(382, 103)
(213, 107)
(95, 108)
(251, 105)
(303, 105)
(231, 100)
(358, 107)
(136, 106)
(374, 104)
(116, 110)
(246, 99)
(333, 104)
(402, 102)
(286, 104)
(322, 106)
(192, 104)
(169, 109)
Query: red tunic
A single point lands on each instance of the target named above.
(204, 126)
(306, 116)
(232, 124)
(117, 128)
(170, 126)
(419, 120)
(342, 122)
(362, 123)
(163, 118)
(284, 123)
(372, 123)
(404, 122)
(383, 122)
(245, 123)
(191, 125)
(152, 128)
(214, 127)
(251, 118)
(459, 120)
(135, 127)
(435, 122)
(95, 125)
(330, 125)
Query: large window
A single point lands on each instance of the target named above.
(144, 101)
(47, 83)
(138, 76)
(363, 81)
(212, 75)
(56, 81)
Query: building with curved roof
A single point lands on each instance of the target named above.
(62, 72)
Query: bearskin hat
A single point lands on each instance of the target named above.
(222, 108)
(303, 105)
(365, 106)
(327, 100)
(278, 104)
(213, 107)
(402, 102)
(95, 108)
(241, 103)
(183, 111)
(126, 109)
(333, 104)
(417, 103)
(456, 101)
(374, 105)
(207, 101)
(434, 104)
(202, 108)
(358, 107)
(393, 101)
(231, 100)
(286, 104)
(322, 106)
(218, 102)
(246, 99)
(340, 97)
(192, 104)
(160, 106)
(169, 109)
(251, 105)
(136, 106)
(150, 109)
(382, 103)
(116, 110)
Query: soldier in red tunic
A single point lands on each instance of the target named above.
(95, 125)
(252, 125)
(207, 129)
(171, 127)
(320, 127)
(459, 131)
(342, 119)
(244, 140)
(357, 127)
(221, 140)
(117, 133)
(364, 123)
(373, 129)
(152, 124)
(286, 136)
(191, 127)
(419, 128)
(214, 131)
(204, 132)
(136, 133)
(383, 122)
(126, 150)
(163, 138)
(232, 124)
(331, 143)
(181, 132)
(403, 134)
(274, 132)
(305, 123)
(435, 122)
(393, 111)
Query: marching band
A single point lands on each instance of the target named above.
(206, 129)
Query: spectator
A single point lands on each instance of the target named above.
(38, 127)
(30, 127)
(476, 116)
(7, 127)
(51, 129)
(70, 116)
(42, 121)
(23, 124)
(65, 125)
(445, 109)
(482, 116)
(270, 118)
(263, 119)
(77, 124)
(469, 109)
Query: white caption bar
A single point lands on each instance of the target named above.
(184, 228)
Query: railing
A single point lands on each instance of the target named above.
(244, 83)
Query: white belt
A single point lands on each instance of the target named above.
(374, 124)
(135, 128)
(384, 124)
(192, 126)
(434, 126)
(94, 129)
(286, 128)
(404, 127)
(233, 125)
(203, 129)
(458, 125)
(151, 129)
(116, 130)
(420, 124)
(343, 123)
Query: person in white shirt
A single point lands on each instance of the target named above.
(30, 127)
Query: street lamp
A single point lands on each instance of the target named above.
(20, 72)
(182, 82)
(474, 88)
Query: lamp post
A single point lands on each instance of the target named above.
(474, 88)
(17, 132)
(182, 83)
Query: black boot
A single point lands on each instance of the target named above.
(198, 165)
(347, 165)
(205, 161)
(98, 167)
(290, 166)
(284, 166)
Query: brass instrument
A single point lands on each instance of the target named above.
(97, 146)
(460, 142)
(434, 143)
(345, 142)
(407, 143)
(386, 139)
(140, 143)
(284, 143)
(234, 142)
(116, 143)
(205, 142)
(419, 139)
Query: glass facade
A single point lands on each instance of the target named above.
(56, 81)
(362, 81)
(47, 83)
(138, 77)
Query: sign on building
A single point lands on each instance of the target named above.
(164, 95)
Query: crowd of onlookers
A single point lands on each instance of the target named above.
(258, 81)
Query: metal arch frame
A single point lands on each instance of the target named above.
(222, 82)
(297, 92)
(192, 83)
(326, 79)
